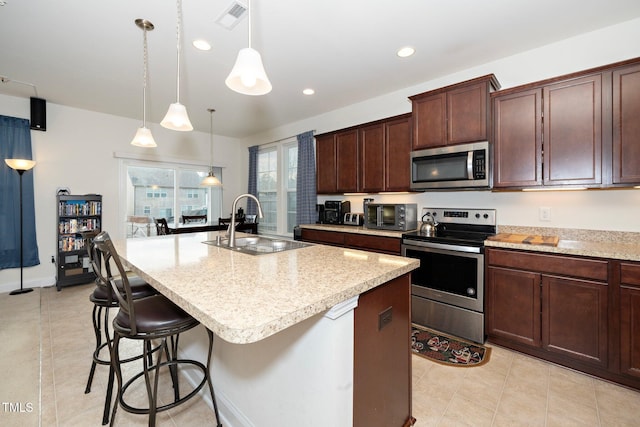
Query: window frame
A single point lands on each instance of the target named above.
(177, 167)
(282, 189)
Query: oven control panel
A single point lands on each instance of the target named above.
(461, 216)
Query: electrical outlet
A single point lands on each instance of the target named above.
(544, 213)
(385, 317)
(53, 260)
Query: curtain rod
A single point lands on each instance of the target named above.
(284, 139)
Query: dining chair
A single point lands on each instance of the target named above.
(162, 228)
(186, 219)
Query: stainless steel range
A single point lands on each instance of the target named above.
(448, 287)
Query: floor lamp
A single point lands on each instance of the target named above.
(21, 166)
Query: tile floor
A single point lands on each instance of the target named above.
(510, 390)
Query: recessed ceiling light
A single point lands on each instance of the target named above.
(308, 91)
(201, 44)
(405, 51)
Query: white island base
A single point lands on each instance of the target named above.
(301, 376)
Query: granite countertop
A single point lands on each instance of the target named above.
(354, 229)
(592, 243)
(245, 298)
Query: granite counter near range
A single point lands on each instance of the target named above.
(620, 245)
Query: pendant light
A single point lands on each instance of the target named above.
(248, 76)
(143, 137)
(211, 180)
(177, 117)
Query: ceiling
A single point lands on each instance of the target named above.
(88, 54)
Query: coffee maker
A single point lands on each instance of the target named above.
(334, 211)
(320, 214)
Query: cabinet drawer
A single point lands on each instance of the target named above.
(555, 264)
(374, 243)
(630, 274)
(318, 236)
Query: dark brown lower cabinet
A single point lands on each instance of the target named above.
(382, 357)
(630, 319)
(574, 319)
(367, 242)
(579, 312)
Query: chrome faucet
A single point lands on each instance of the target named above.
(232, 226)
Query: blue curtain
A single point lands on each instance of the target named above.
(15, 143)
(306, 182)
(252, 208)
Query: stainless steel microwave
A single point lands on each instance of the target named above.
(456, 166)
(399, 217)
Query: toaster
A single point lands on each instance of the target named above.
(353, 219)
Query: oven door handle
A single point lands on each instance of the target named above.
(444, 246)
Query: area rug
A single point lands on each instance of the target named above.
(445, 349)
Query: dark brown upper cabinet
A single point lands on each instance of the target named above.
(572, 132)
(371, 158)
(581, 129)
(549, 135)
(326, 164)
(347, 161)
(626, 125)
(453, 114)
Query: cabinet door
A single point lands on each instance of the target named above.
(467, 114)
(512, 305)
(572, 132)
(574, 318)
(397, 154)
(326, 164)
(429, 121)
(517, 139)
(372, 174)
(626, 125)
(347, 161)
(630, 319)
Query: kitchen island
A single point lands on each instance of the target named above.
(290, 353)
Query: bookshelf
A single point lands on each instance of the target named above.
(79, 219)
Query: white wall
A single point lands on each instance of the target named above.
(600, 210)
(77, 151)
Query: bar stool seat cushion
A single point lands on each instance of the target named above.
(155, 314)
(139, 289)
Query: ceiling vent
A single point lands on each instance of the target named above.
(232, 15)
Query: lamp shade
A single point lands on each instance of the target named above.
(211, 180)
(248, 76)
(177, 118)
(20, 164)
(143, 138)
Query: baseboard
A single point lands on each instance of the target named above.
(36, 283)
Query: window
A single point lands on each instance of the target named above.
(158, 190)
(277, 175)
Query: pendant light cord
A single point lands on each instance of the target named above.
(249, 20)
(178, 26)
(211, 110)
(144, 78)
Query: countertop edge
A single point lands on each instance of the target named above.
(616, 251)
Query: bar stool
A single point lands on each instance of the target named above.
(102, 299)
(146, 319)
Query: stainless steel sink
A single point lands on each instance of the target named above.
(257, 245)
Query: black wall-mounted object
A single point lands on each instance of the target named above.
(38, 114)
